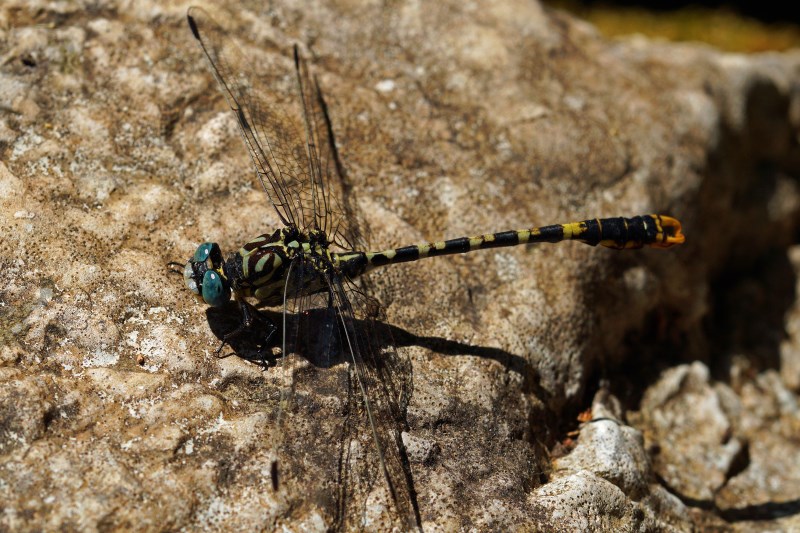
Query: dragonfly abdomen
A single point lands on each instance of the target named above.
(619, 233)
(657, 231)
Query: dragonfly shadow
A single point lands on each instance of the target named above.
(249, 345)
(322, 348)
(440, 345)
(763, 511)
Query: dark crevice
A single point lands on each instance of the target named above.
(740, 461)
(749, 303)
(771, 11)
(745, 221)
(762, 511)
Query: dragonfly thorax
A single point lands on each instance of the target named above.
(260, 268)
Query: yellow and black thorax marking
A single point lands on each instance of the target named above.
(259, 269)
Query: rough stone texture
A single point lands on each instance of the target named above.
(606, 482)
(737, 453)
(691, 422)
(117, 156)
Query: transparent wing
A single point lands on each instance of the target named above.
(329, 187)
(343, 385)
(270, 133)
(312, 422)
(381, 381)
(384, 381)
(305, 183)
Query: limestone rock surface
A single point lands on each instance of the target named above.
(119, 155)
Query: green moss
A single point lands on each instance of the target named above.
(723, 29)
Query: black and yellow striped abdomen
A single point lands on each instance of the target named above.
(619, 233)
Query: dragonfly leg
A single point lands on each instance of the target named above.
(252, 320)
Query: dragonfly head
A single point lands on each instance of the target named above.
(204, 276)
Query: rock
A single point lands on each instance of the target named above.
(691, 424)
(607, 480)
(118, 155)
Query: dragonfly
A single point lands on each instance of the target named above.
(311, 269)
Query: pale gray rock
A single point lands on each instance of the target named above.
(687, 418)
(608, 466)
(117, 155)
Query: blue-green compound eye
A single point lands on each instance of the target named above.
(215, 291)
(203, 251)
